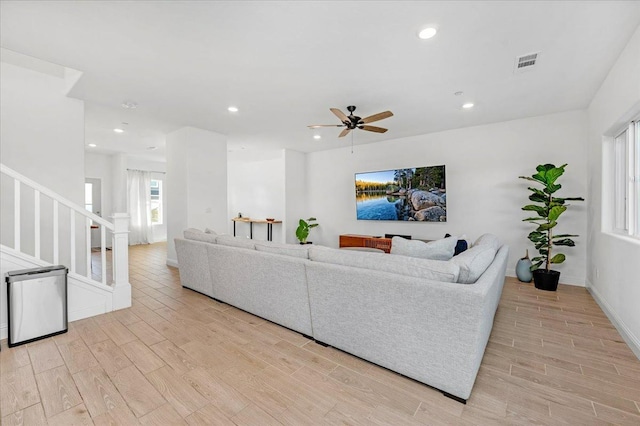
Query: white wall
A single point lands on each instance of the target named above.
(42, 138)
(613, 274)
(484, 193)
(295, 190)
(196, 183)
(256, 185)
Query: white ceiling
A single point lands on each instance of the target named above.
(284, 64)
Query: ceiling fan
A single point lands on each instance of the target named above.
(352, 122)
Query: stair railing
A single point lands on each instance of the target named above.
(118, 229)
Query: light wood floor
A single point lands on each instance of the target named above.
(177, 357)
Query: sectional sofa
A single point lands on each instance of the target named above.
(422, 318)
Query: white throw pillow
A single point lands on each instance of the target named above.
(435, 250)
(473, 262)
(210, 231)
(198, 235)
(488, 240)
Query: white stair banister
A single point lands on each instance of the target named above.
(120, 248)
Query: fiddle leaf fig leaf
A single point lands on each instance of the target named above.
(558, 258)
(555, 212)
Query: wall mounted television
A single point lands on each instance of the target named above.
(416, 195)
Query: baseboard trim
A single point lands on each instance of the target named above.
(172, 262)
(627, 335)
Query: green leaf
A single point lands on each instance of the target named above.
(535, 266)
(536, 236)
(564, 236)
(558, 258)
(551, 188)
(537, 198)
(547, 226)
(531, 219)
(564, 242)
(311, 218)
(540, 210)
(313, 225)
(554, 173)
(555, 212)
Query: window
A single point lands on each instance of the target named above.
(88, 196)
(626, 180)
(156, 202)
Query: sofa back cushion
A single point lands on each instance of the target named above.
(230, 240)
(301, 251)
(442, 249)
(473, 262)
(488, 240)
(198, 235)
(403, 265)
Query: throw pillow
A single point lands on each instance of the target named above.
(461, 245)
(488, 240)
(198, 235)
(474, 262)
(435, 250)
(210, 231)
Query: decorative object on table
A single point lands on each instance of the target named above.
(270, 219)
(302, 232)
(549, 209)
(523, 269)
(239, 215)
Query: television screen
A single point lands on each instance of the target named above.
(418, 194)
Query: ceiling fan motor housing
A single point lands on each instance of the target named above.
(354, 120)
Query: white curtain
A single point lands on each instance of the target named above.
(139, 206)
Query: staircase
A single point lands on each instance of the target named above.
(40, 228)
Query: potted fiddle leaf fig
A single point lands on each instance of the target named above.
(548, 209)
(304, 226)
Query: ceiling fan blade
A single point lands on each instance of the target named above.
(317, 126)
(376, 117)
(373, 129)
(339, 114)
(345, 132)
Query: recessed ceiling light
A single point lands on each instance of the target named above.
(92, 145)
(467, 105)
(118, 130)
(427, 33)
(232, 109)
(458, 93)
(317, 136)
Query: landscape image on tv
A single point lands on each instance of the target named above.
(418, 194)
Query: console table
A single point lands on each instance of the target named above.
(354, 240)
(251, 222)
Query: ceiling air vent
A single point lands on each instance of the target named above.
(526, 62)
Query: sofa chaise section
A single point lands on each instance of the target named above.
(434, 332)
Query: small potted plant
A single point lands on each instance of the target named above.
(549, 209)
(303, 229)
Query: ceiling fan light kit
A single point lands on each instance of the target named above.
(352, 122)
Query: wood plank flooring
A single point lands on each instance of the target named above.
(177, 357)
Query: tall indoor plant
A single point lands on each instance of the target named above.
(304, 226)
(549, 209)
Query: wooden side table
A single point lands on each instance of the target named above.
(251, 222)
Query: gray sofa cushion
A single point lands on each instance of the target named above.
(230, 240)
(473, 262)
(210, 231)
(403, 265)
(442, 249)
(488, 240)
(198, 235)
(301, 251)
